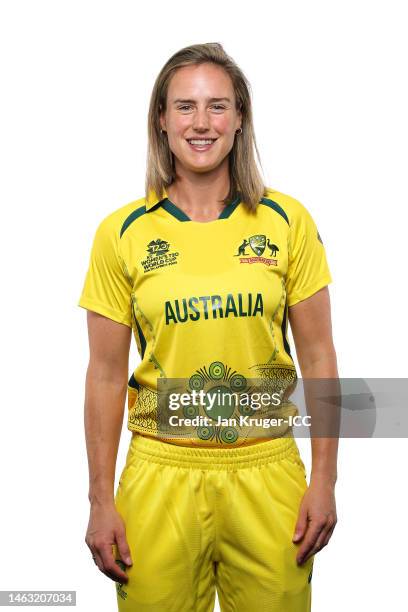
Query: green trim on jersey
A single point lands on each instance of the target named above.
(276, 207)
(132, 217)
(179, 214)
(229, 209)
(174, 210)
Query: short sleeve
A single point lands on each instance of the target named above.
(107, 289)
(308, 270)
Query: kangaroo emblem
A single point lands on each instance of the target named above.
(241, 248)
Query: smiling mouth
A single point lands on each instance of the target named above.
(201, 144)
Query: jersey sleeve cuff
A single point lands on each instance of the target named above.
(310, 290)
(104, 310)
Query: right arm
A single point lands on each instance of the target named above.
(105, 396)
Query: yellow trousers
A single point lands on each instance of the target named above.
(200, 519)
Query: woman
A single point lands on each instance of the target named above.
(206, 269)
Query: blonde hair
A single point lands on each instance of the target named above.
(245, 178)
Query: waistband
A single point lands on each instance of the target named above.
(156, 451)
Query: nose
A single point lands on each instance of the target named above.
(200, 120)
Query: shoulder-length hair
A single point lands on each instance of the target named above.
(245, 178)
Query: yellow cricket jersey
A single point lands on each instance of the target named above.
(207, 303)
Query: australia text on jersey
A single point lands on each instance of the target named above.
(213, 306)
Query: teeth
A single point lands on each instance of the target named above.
(200, 142)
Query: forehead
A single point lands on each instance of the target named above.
(204, 80)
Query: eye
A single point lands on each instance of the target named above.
(218, 107)
(184, 107)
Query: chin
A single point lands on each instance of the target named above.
(202, 165)
(202, 169)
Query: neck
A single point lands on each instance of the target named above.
(200, 194)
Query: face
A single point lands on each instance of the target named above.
(201, 117)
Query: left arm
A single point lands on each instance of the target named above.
(310, 321)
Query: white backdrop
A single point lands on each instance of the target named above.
(330, 100)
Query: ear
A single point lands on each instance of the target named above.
(239, 114)
(162, 119)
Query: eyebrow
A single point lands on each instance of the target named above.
(194, 101)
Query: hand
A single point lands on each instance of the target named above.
(106, 528)
(316, 521)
